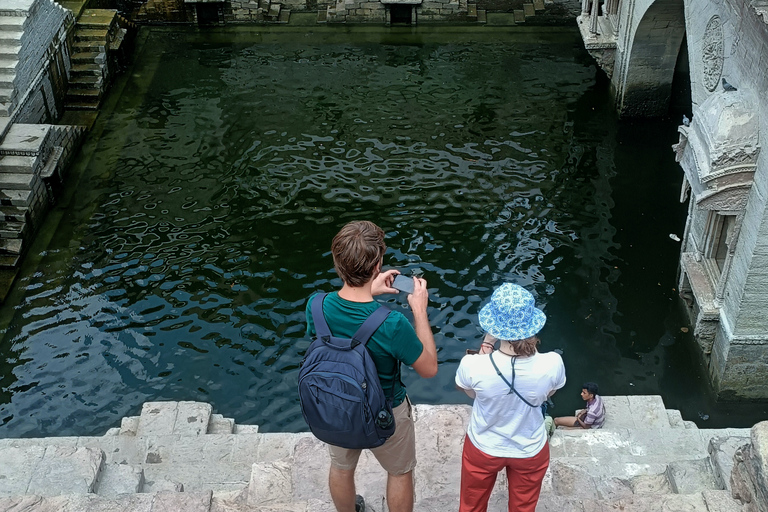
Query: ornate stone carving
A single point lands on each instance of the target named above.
(712, 53)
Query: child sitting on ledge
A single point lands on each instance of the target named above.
(591, 417)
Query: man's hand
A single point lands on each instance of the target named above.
(382, 283)
(419, 299)
(426, 364)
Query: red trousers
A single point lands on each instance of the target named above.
(478, 475)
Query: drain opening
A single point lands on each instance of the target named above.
(207, 13)
(400, 14)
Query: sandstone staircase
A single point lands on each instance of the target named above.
(178, 456)
(11, 30)
(98, 32)
(31, 160)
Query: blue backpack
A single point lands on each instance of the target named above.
(339, 390)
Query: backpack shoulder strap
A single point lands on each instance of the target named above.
(321, 326)
(370, 325)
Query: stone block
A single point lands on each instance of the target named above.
(648, 411)
(182, 501)
(721, 452)
(221, 425)
(721, 501)
(157, 418)
(129, 425)
(617, 413)
(18, 466)
(271, 483)
(691, 476)
(119, 479)
(529, 10)
(519, 15)
(66, 470)
(675, 418)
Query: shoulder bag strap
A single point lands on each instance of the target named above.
(321, 326)
(511, 384)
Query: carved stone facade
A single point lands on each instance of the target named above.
(724, 257)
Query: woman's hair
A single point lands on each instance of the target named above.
(526, 347)
(591, 387)
(357, 251)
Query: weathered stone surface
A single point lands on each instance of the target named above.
(721, 452)
(271, 482)
(118, 479)
(720, 501)
(18, 466)
(749, 478)
(64, 470)
(157, 418)
(691, 476)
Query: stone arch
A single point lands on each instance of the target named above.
(648, 65)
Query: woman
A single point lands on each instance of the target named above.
(509, 385)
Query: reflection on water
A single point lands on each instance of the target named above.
(200, 214)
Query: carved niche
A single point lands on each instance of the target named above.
(712, 53)
(718, 151)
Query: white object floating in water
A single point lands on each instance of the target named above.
(674, 237)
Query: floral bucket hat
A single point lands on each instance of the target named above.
(511, 314)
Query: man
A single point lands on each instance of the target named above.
(591, 417)
(358, 252)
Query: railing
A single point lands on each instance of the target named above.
(605, 18)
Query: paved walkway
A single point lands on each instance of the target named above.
(178, 456)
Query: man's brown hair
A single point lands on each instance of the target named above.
(357, 251)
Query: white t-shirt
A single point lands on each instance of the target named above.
(501, 424)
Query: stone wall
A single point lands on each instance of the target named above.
(739, 363)
(43, 68)
(347, 11)
(749, 478)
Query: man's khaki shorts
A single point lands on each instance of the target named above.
(397, 455)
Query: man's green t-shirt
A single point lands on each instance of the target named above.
(394, 341)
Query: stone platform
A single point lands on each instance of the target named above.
(178, 456)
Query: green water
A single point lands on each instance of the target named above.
(198, 218)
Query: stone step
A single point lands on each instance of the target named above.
(91, 35)
(220, 425)
(88, 46)
(9, 261)
(637, 411)
(157, 502)
(9, 51)
(13, 181)
(17, 164)
(96, 18)
(174, 418)
(11, 246)
(87, 57)
(12, 230)
(10, 36)
(24, 139)
(721, 451)
(89, 96)
(86, 81)
(636, 445)
(12, 23)
(15, 197)
(50, 470)
(91, 69)
(116, 479)
(81, 105)
(13, 213)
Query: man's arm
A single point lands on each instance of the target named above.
(426, 364)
